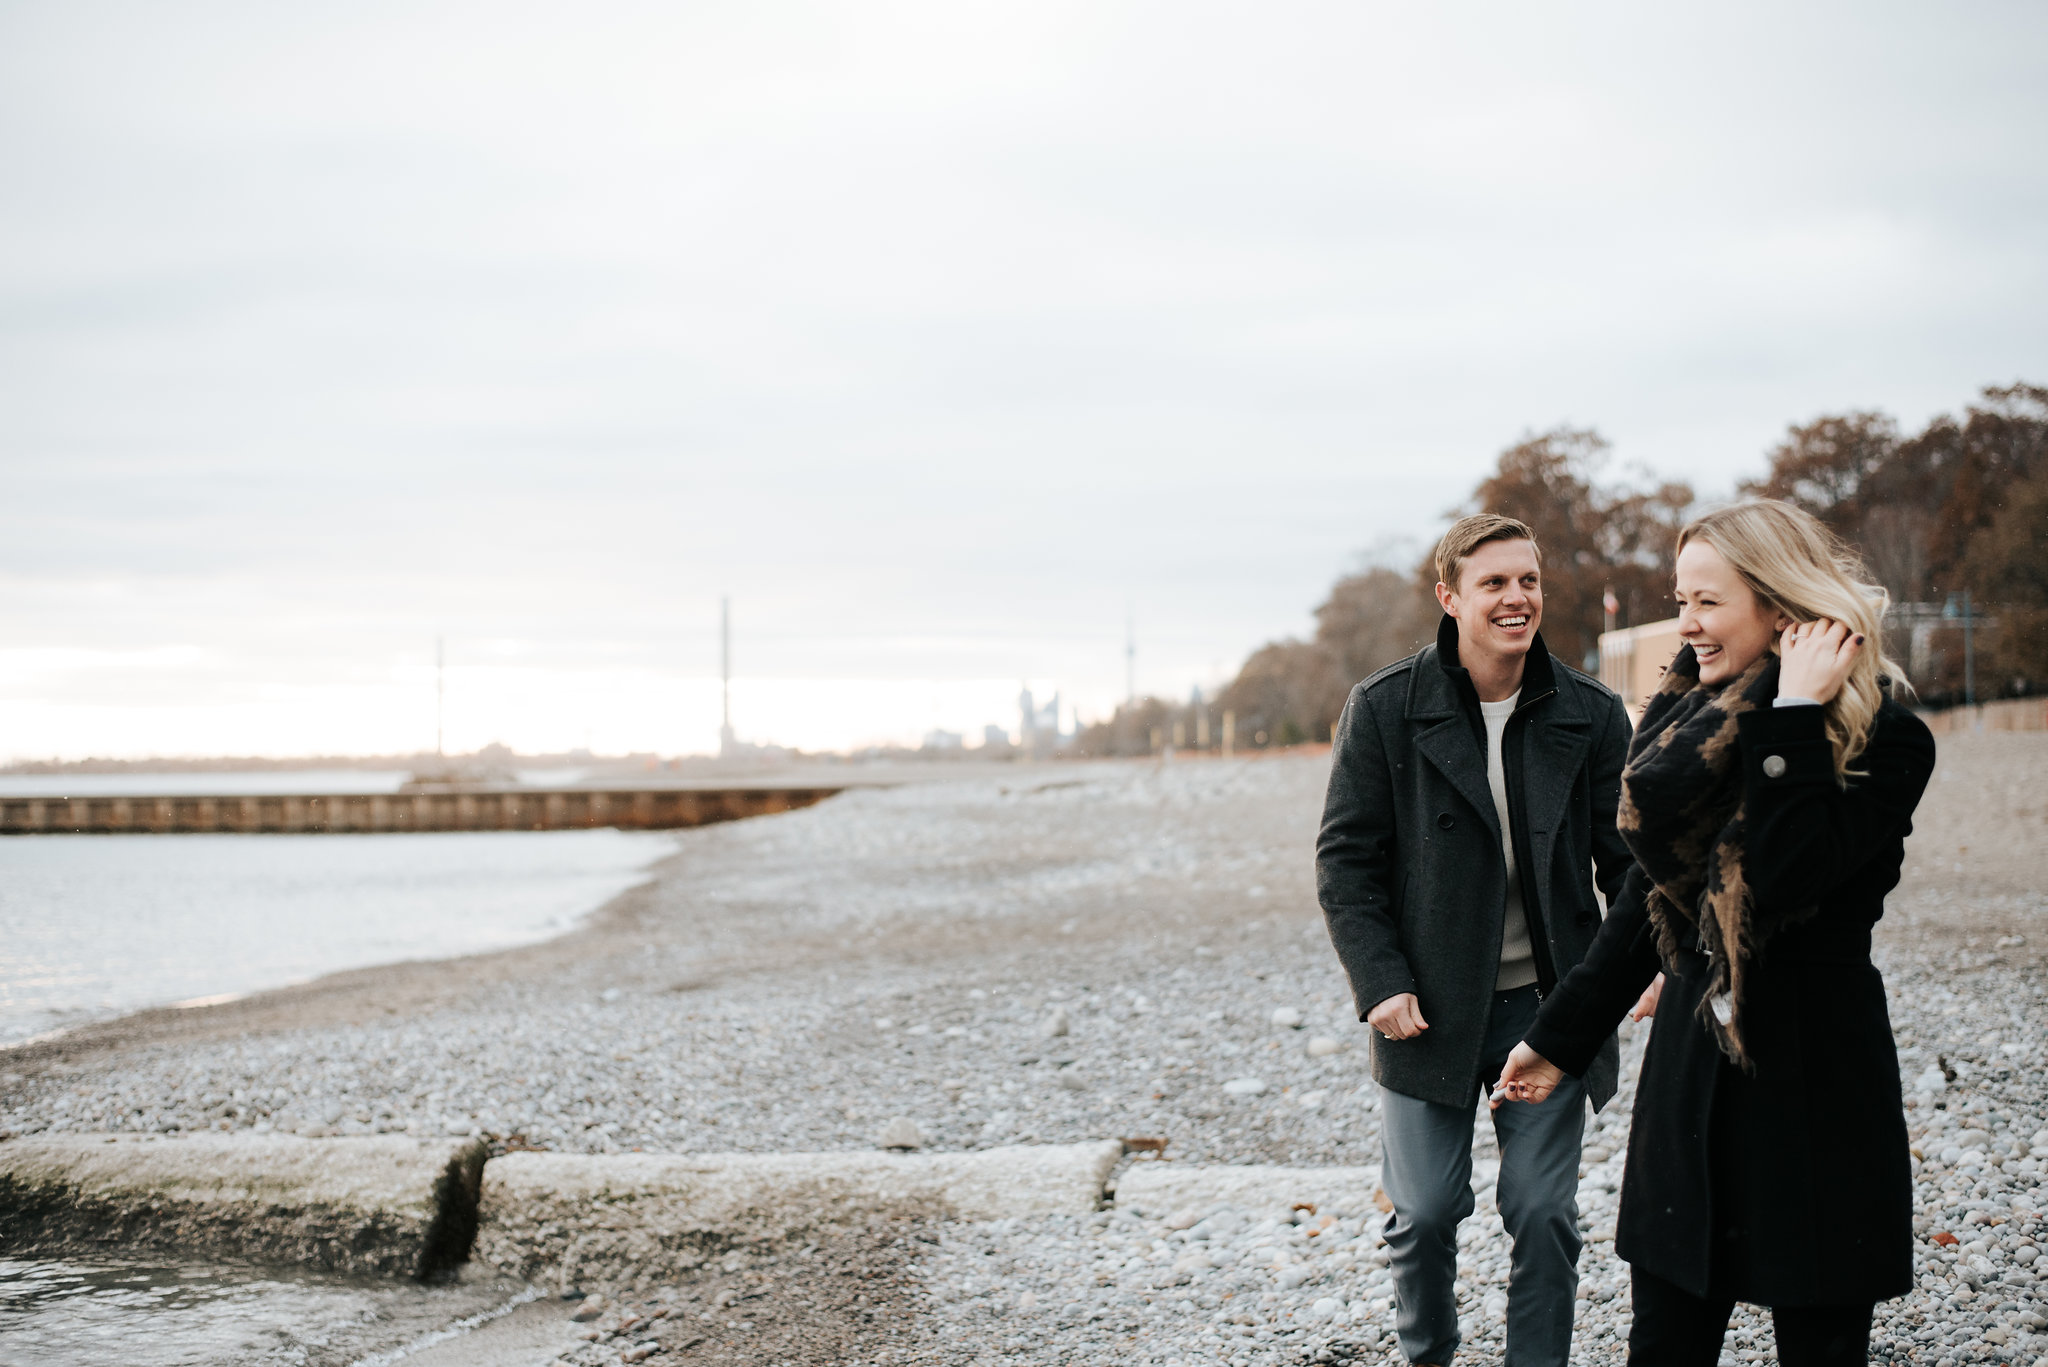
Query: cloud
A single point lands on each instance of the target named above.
(324, 332)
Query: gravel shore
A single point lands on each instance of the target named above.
(1063, 953)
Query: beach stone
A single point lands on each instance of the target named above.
(1056, 1024)
(901, 1133)
(1322, 1046)
(1286, 1017)
(1244, 1086)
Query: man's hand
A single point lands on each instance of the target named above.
(1646, 1005)
(1528, 1077)
(1398, 1017)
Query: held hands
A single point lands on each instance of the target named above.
(1646, 1005)
(1398, 1017)
(1528, 1077)
(1815, 658)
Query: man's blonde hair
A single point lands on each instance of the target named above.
(1468, 534)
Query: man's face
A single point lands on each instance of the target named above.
(1498, 600)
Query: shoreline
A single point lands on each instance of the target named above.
(1013, 964)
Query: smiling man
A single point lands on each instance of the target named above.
(1471, 808)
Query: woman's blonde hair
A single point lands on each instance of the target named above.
(1801, 569)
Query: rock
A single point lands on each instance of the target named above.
(1056, 1024)
(901, 1133)
(1326, 1307)
(1930, 1080)
(1287, 1017)
(1071, 1080)
(1245, 1086)
(1292, 1276)
(1322, 1046)
(1184, 1218)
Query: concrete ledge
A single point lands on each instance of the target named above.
(382, 1205)
(655, 1215)
(1159, 1190)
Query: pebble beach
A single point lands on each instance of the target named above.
(1056, 954)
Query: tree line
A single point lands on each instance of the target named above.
(1960, 506)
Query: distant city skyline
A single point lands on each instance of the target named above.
(944, 340)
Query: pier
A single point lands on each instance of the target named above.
(524, 809)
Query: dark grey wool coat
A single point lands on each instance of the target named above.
(1788, 1186)
(1408, 864)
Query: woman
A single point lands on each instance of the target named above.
(1767, 796)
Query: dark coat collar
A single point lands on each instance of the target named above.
(1439, 686)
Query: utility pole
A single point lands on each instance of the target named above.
(1969, 653)
(1969, 644)
(440, 691)
(1130, 656)
(725, 741)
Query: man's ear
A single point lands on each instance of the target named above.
(1444, 598)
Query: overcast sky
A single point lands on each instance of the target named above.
(938, 335)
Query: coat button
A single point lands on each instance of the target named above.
(1444, 821)
(1774, 766)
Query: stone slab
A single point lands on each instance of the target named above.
(383, 1204)
(568, 1217)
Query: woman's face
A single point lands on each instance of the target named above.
(1719, 616)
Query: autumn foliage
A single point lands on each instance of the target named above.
(1962, 504)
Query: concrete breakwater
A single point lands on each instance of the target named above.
(645, 809)
(419, 1208)
(384, 1205)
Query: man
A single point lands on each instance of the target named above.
(1472, 796)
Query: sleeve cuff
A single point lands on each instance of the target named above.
(1786, 747)
(1557, 1047)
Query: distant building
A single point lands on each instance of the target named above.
(994, 737)
(1040, 734)
(943, 740)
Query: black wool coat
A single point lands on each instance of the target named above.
(1408, 862)
(1789, 1186)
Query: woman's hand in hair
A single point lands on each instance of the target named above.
(1528, 1077)
(1646, 1005)
(1816, 657)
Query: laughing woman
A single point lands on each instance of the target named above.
(1767, 797)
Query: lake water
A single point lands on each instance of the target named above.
(97, 925)
(92, 1312)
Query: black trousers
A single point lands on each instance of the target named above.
(1674, 1328)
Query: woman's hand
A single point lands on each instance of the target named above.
(1528, 1077)
(1646, 1005)
(1815, 657)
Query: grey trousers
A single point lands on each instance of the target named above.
(1427, 1173)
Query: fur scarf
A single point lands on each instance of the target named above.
(1682, 815)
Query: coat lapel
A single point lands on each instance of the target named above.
(1553, 747)
(1449, 745)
